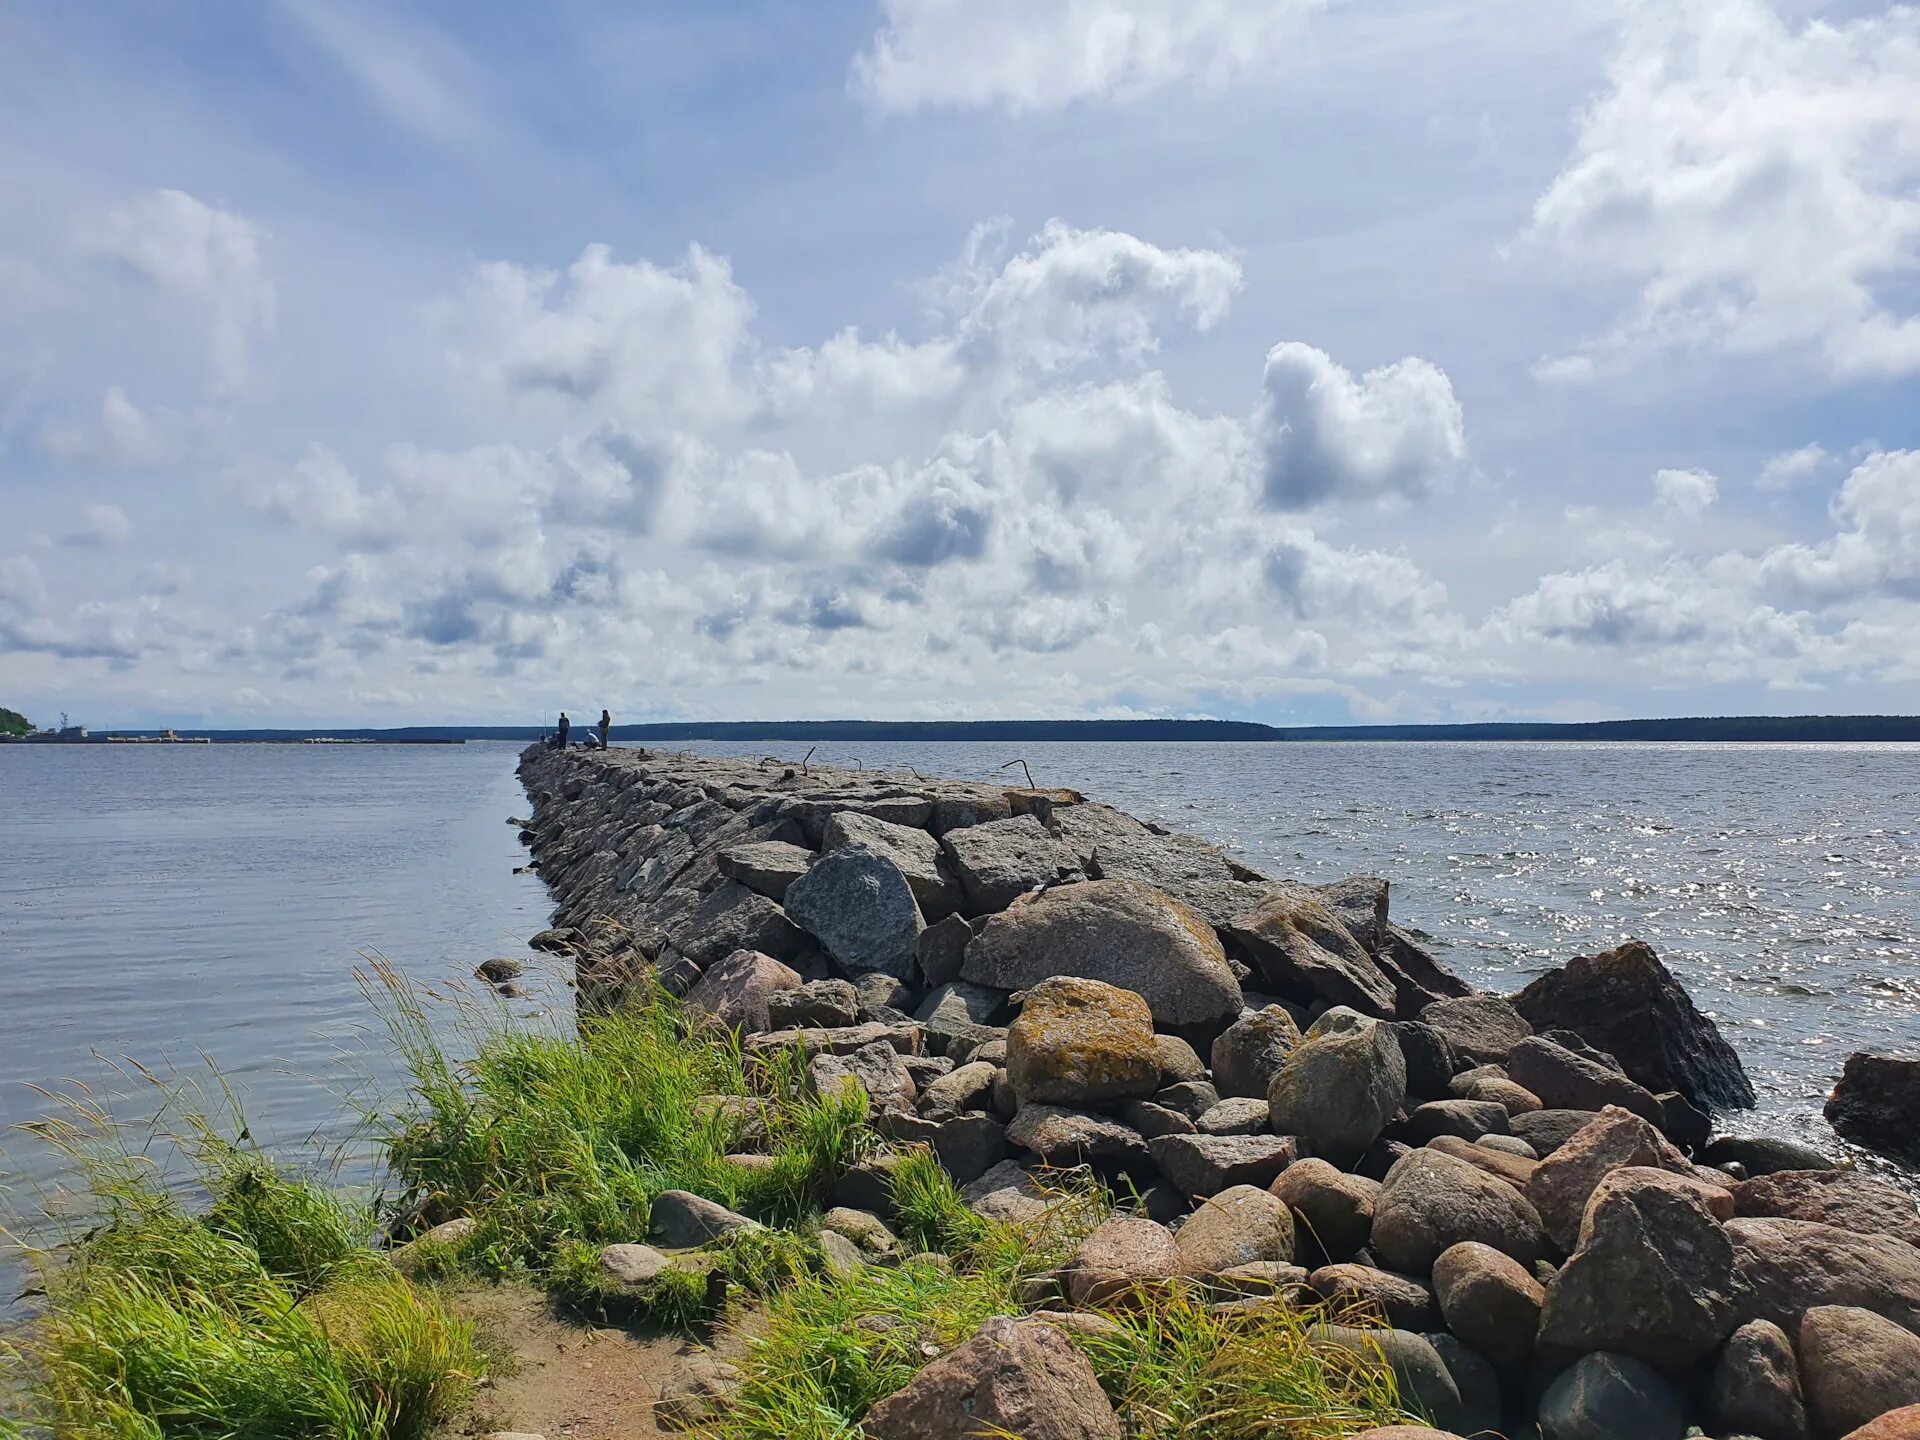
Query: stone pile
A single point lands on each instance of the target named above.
(1523, 1196)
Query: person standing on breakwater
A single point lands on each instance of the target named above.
(560, 732)
(606, 724)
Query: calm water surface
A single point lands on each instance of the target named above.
(160, 902)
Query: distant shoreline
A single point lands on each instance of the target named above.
(1798, 729)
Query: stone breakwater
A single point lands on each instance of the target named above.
(1526, 1192)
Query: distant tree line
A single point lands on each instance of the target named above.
(12, 722)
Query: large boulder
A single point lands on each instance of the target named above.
(731, 917)
(875, 1067)
(1337, 1091)
(1901, 1424)
(1333, 1208)
(1014, 1377)
(1612, 1397)
(767, 867)
(1431, 1201)
(963, 1088)
(820, 1004)
(1202, 1165)
(1479, 1028)
(917, 854)
(1547, 1130)
(1843, 1198)
(1856, 1366)
(1123, 1256)
(1060, 1136)
(1566, 1081)
(1755, 1388)
(1299, 947)
(1562, 1183)
(1003, 859)
(858, 905)
(733, 993)
(1789, 1266)
(1764, 1154)
(1249, 1052)
(1123, 932)
(1242, 1225)
(1628, 1004)
(1490, 1300)
(1081, 1042)
(1653, 1276)
(681, 1220)
(1875, 1102)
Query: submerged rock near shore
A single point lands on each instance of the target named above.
(1518, 1187)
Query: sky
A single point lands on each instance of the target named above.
(1304, 361)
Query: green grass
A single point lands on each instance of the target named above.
(264, 1316)
(554, 1140)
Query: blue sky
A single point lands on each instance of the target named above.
(1297, 360)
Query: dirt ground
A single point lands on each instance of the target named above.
(567, 1380)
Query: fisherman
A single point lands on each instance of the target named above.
(606, 724)
(560, 732)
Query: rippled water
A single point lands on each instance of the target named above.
(155, 903)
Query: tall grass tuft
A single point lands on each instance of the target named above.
(547, 1139)
(265, 1316)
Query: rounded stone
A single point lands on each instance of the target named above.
(1242, 1225)
(1490, 1300)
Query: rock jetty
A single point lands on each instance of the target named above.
(1523, 1194)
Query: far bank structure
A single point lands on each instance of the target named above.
(1294, 1095)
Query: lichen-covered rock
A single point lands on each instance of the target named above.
(917, 854)
(697, 1394)
(1122, 932)
(1755, 1388)
(1242, 1225)
(1061, 1136)
(1653, 1276)
(1843, 1198)
(1431, 1201)
(734, 992)
(1332, 1207)
(1479, 1028)
(1562, 1182)
(1179, 1061)
(1003, 859)
(1201, 1165)
(1249, 1052)
(1336, 1092)
(1296, 944)
(1122, 1257)
(1490, 1082)
(1612, 1397)
(1516, 1170)
(856, 902)
(1856, 1366)
(1081, 1042)
(1490, 1300)
(1626, 1003)
(1014, 1377)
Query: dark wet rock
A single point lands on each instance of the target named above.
(1001, 860)
(1249, 1052)
(1481, 1029)
(917, 854)
(1856, 1366)
(1876, 1102)
(941, 948)
(1476, 1380)
(1428, 1056)
(1123, 1256)
(681, 1220)
(857, 903)
(1789, 1266)
(736, 992)
(1843, 1198)
(1686, 1124)
(1563, 1182)
(1755, 1386)
(1081, 1042)
(1336, 1092)
(822, 1003)
(1071, 1137)
(1297, 945)
(1014, 1377)
(1547, 1130)
(498, 971)
(1203, 1165)
(1626, 1003)
(1566, 1081)
(1122, 932)
(1330, 1206)
(1653, 1276)
(1431, 1201)
(963, 1013)
(1612, 1397)
(1490, 1300)
(765, 866)
(1764, 1154)
(1469, 1119)
(1400, 1300)
(1242, 1225)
